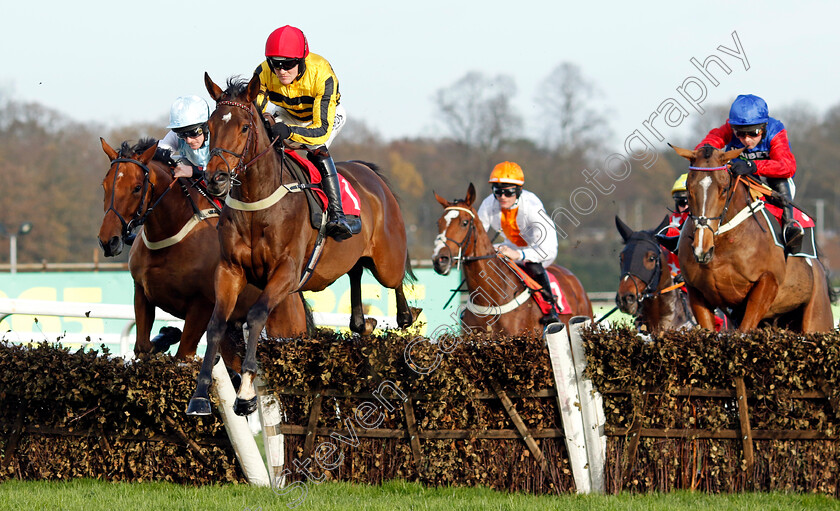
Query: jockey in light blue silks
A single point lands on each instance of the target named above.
(189, 138)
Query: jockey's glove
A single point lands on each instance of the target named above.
(281, 130)
(741, 167)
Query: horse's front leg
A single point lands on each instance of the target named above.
(144, 315)
(759, 300)
(703, 312)
(230, 280)
(279, 286)
(195, 323)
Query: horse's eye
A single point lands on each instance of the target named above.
(465, 223)
(245, 128)
(137, 189)
(651, 258)
(621, 257)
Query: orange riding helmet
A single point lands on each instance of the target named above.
(507, 172)
(287, 41)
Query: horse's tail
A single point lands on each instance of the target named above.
(409, 278)
(311, 327)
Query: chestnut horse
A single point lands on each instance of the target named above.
(646, 289)
(266, 237)
(729, 258)
(174, 260)
(499, 301)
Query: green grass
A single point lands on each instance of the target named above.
(91, 495)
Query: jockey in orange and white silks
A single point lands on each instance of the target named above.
(530, 238)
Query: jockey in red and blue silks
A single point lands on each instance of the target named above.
(766, 154)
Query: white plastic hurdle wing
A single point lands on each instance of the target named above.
(592, 408)
(580, 411)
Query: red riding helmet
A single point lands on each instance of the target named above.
(288, 42)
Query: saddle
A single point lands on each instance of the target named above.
(773, 204)
(307, 175)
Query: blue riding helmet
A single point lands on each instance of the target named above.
(748, 110)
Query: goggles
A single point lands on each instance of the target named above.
(282, 63)
(507, 192)
(190, 132)
(753, 132)
(681, 202)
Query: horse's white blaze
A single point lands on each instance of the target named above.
(440, 240)
(705, 183)
(226, 117)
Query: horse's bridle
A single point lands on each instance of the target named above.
(471, 235)
(139, 217)
(637, 270)
(702, 222)
(240, 166)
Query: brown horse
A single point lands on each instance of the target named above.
(266, 238)
(646, 289)
(730, 260)
(175, 258)
(499, 301)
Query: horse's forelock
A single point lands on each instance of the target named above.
(708, 151)
(236, 86)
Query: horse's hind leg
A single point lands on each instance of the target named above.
(358, 323)
(195, 324)
(406, 315)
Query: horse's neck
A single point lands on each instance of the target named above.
(495, 282)
(665, 310)
(262, 177)
(171, 212)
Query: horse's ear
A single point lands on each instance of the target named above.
(148, 154)
(112, 155)
(731, 155)
(685, 153)
(623, 229)
(443, 202)
(214, 90)
(253, 88)
(663, 224)
(470, 195)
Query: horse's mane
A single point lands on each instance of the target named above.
(162, 154)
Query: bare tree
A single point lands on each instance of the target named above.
(477, 112)
(572, 123)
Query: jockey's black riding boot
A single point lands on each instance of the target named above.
(337, 226)
(791, 229)
(539, 274)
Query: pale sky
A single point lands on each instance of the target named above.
(122, 62)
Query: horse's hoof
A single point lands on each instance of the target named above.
(245, 406)
(370, 325)
(168, 336)
(199, 406)
(408, 319)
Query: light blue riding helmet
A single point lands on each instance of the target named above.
(187, 111)
(748, 110)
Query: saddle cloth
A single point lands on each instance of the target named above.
(809, 246)
(559, 295)
(317, 198)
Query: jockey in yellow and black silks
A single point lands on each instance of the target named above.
(303, 90)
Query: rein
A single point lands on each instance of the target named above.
(139, 217)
